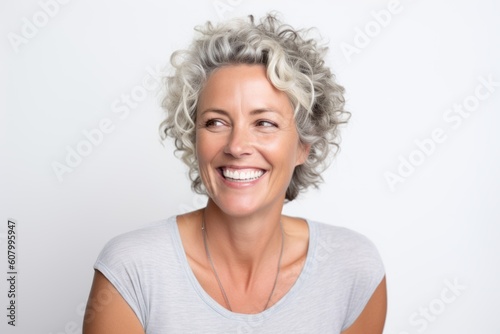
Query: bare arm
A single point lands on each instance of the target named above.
(372, 319)
(107, 312)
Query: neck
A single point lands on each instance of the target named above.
(243, 243)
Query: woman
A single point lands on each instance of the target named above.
(254, 112)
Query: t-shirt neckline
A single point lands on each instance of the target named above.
(214, 305)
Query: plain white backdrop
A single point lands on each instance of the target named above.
(418, 172)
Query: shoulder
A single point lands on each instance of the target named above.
(341, 238)
(131, 261)
(349, 252)
(139, 245)
(352, 261)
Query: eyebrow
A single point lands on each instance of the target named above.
(262, 111)
(252, 113)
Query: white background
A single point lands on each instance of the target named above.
(440, 225)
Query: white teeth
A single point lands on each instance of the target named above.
(242, 175)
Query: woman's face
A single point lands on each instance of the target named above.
(246, 140)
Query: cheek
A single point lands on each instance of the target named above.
(201, 147)
(290, 150)
(204, 156)
(206, 149)
(283, 153)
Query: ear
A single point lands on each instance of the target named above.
(302, 153)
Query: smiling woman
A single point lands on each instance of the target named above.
(254, 112)
(245, 126)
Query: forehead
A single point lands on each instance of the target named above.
(242, 87)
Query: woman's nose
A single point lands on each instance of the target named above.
(239, 142)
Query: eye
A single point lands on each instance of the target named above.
(214, 122)
(266, 124)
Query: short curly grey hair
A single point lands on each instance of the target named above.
(295, 65)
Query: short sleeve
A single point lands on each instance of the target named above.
(366, 271)
(121, 262)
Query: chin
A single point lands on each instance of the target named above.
(236, 207)
(234, 210)
(242, 207)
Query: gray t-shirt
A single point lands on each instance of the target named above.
(150, 270)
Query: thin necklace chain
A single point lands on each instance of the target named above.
(207, 251)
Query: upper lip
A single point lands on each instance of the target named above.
(240, 167)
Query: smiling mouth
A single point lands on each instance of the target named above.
(241, 175)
